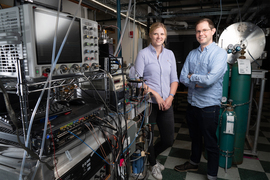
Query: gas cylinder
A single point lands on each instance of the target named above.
(240, 93)
(227, 135)
(224, 99)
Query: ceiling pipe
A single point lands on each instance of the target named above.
(177, 23)
(243, 9)
(249, 10)
(216, 13)
(229, 3)
(244, 17)
(234, 11)
(252, 16)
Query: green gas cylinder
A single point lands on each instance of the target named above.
(227, 134)
(239, 93)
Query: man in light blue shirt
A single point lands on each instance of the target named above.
(203, 73)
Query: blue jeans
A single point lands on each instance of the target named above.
(165, 123)
(202, 123)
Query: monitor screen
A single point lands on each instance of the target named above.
(44, 33)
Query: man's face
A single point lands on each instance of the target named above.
(204, 33)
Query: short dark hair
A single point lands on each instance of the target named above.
(210, 22)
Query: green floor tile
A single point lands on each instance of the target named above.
(263, 147)
(157, 140)
(180, 153)
(246, 174)
(267, 129)
(176, 129)
(170, 174)
(266, 166)
(184, 125)
(162, 159)
(202, 169)
(156, 133)
(183, 137)
(252, 133)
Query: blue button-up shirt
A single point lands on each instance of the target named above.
(207, 68)
(160, 72)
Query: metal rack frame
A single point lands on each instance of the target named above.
(256, 74)
(20, 85)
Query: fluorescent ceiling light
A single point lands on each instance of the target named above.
(116, 12)
(104, 6)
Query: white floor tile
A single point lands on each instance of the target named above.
(264, 124)
(251, 164)
(178, 116)
(262, 140)
(203, 159)
(194, 176)
(177, 124)
(182, 144)
(155, 138)
(232, 173)
(175, 135)
(184, 131)
(172, 161)
(266, 113)
(264, 156)
(150, 176)
(166, 152)
(267, 134)
(268, 175)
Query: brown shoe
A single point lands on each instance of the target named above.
(186, 167)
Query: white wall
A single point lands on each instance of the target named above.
(130, 49)
(129, 52)
(127, 42)
(70, 7)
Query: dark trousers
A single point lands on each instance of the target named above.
(165, 123)
(202, 123)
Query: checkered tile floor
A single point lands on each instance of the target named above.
(252, 168)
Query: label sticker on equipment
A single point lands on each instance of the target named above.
(230, 125)
(68, 155)
(127, 140)
(244, 66)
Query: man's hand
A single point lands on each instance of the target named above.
(189, 76)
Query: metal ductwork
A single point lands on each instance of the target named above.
(176, 23)
(243, 9)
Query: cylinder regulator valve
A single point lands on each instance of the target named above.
(230, 49)
(237, 47)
